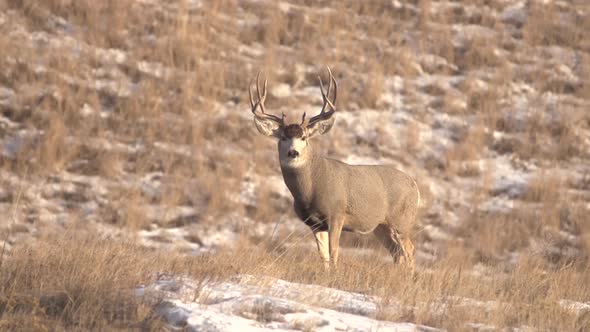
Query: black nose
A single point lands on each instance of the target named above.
(293, 154)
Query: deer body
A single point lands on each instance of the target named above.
(331, 196)
(365, 195)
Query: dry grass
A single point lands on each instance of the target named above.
(83, 282)
(467, 151)
(73, 282)
(79, 281)
(546, 27)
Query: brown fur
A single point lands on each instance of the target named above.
(293, 131)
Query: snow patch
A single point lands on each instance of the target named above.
(574, 306)
(247, 303)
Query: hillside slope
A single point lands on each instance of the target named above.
(129, 120)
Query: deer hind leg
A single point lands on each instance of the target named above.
(400, 247)
(321, 239)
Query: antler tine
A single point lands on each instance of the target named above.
(335, 88)
(323, 93)
(326, 98)
(261, 98)
(304, 121)
(250, 94)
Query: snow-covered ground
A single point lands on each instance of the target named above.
(246, 303)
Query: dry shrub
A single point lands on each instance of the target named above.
(541, 234)
(565, 139)
(441, 44)
(412, 137)
(373, 88)
(535, 135)
(77, 282)
(54, 151)
(129, 211)
(80, 281)
(486, 102)
(215, 190)
(584, 91)
(477, 53)
(424, 17)
(555, 24)
(269, 206)
(492, 239)
(551, 138)
(544, 188)
(469, 148)
(91, 161)
(461, 13)
(105, 21)
(434, 296)
(401, 61)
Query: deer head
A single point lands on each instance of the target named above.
(294, 139)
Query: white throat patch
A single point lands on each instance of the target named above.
(292, 162)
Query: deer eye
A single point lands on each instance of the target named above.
(304, 138)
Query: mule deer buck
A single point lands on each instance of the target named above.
(331, 196)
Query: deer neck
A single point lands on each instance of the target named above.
(301, 180)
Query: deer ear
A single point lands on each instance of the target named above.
(320, 127)
(268, 127)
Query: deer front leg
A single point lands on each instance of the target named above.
(334, 231)
(319, 230)
(321, 239)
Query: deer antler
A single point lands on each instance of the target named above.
(261, 98)
(327, 102)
